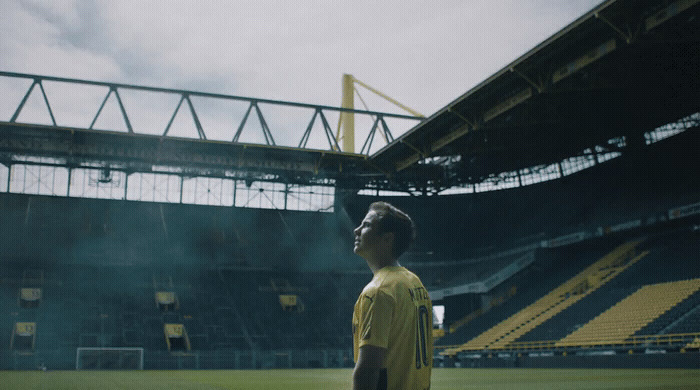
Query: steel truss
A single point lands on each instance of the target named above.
(185, 96)
(28, 142)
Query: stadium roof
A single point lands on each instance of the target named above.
(597, 86)
(157, 150)
(621, 70)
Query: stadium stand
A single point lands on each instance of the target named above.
(550, 270)
(99, 291)
(88, 304)
(686, 318)
(555, 301)
(670, 253)
(620, 322)
(659, 277)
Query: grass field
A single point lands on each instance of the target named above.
(443, 379)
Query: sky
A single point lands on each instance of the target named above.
(422, 53)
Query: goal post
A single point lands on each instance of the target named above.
(109, 358)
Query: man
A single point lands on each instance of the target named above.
(393, 317)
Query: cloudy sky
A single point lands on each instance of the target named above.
(422, 53)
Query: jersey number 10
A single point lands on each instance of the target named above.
(422, 329)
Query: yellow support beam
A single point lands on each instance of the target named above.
(346, 121)
(377, 92)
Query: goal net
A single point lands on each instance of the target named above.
(88, 358)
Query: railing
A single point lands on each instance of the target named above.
(678, 340)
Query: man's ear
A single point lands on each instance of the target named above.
(388, 237)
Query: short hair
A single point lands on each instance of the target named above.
(393, 220)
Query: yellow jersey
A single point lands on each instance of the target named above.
(394, 312)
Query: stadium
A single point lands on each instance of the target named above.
(557, 205)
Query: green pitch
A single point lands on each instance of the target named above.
(443, 379)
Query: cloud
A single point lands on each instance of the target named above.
(424, 54)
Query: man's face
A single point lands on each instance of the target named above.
(367, 236)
